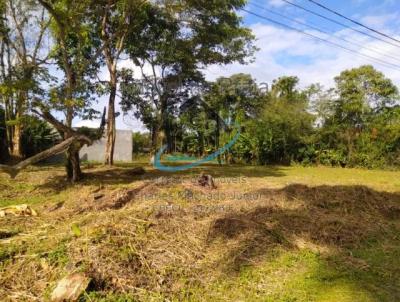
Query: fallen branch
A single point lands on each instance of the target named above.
(57, 149)
(72, 144)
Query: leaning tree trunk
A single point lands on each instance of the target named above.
(166, 123)
(72, 143)
(111, 130)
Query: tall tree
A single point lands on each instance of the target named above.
(285, 124)
(361, 93)
(236, 99)
(115, 18)
(184, 37)
(76, 52)
(23, 56)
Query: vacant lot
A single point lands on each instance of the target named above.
(264, 234)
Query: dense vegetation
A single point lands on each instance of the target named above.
(354, 123)
(244, 226)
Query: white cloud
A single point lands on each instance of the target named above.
(284, 52)
(276, 3)
(380, 21)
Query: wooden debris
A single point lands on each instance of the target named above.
(98, 189)
(98, 196)
(57, 206)
(70, 288)
(17, 210)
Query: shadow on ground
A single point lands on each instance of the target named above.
(357, 225)
(123, 175)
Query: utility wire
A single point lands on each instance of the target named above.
(354, 21)
(339, 23)
(326, 33)
(386, 64)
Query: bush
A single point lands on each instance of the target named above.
(37, 136)
(332, 158)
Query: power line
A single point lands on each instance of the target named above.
(354, 21)
(325, 32)
(386, 64)
(339, 23)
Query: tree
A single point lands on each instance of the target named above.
(76, 52)
(184, 37)
(3, 136)
(283, 129)
(23, 54)
(236, 99)
(115, 18)
(141, 142)
(363, 95)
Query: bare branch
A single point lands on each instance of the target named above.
(41, 34)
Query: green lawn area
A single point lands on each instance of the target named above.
(265, 234)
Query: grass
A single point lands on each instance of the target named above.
(265, 234)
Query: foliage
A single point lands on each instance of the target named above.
(141, 142)
(360, 127)
(37, 136)
(180, 38)
(282, 131)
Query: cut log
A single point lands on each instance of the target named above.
(70, 288)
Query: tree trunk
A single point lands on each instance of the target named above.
(111, 130)
(16, 148)
(9, 129)
(16, 151)
(166, 127)
(168, 136)
(73, 164)
(217, 135)
(74, 172)
(154, 138)
(201, 143)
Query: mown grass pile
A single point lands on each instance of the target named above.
(262, 235)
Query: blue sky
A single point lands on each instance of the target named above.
(284, 52)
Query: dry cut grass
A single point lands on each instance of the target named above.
(258, 237)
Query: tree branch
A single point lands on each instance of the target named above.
(46, 115)
(57, 149)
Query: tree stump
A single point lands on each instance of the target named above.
(207, 181)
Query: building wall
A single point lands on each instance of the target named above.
(123, 148)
